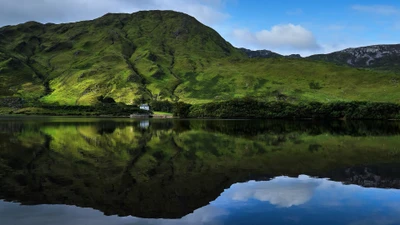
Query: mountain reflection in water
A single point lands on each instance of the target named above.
(175, 168)
(282, 200)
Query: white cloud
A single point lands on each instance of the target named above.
(386, 10)
(18, 11)
(287, 36)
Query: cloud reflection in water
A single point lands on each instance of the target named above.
(282, 191)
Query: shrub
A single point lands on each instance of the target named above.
(315, 85)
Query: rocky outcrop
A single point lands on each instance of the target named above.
(376, 56)
(376, 176)
(370, 54)
(266, 54)
(260, 53)
(11, 102)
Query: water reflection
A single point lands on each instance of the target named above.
(282, 200)
(144, 124)
(281, 192)
(172, 168)
(306, 200)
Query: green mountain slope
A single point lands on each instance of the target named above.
(164, 55)
(291, 80)
(118, 55)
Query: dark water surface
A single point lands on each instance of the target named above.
(121, 171)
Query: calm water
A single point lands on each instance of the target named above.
(122, 171)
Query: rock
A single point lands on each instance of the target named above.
(12, 102)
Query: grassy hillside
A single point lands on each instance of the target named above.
(161, 55)
(291, 80)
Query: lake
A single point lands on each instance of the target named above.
(71, 171)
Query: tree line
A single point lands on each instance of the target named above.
(251, 108)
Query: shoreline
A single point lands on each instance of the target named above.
(138, 116)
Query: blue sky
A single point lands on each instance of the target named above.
(285, 26)
(326, 25)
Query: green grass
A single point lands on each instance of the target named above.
(162, 114)
(5, 110)
(268, 79)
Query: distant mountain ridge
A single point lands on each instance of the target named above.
(266, 54)
(385, 56)
(375, 56)
(260, 53)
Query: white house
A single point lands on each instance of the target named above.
(145, 107)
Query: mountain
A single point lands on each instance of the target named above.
(118, 55)
(385, 57)
(163, 55)
(260, 53)
(266, 54)
(382, 57)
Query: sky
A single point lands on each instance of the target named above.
(285, 26)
